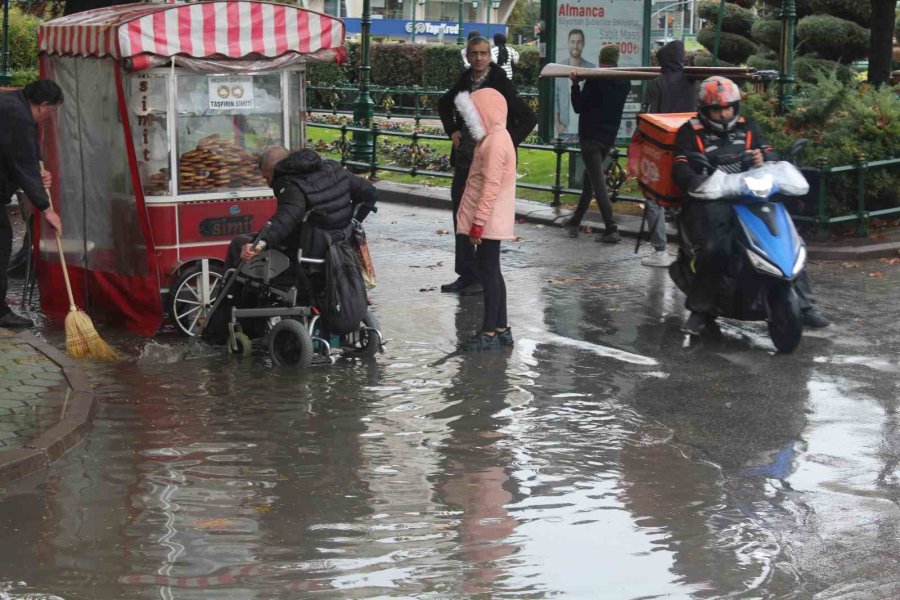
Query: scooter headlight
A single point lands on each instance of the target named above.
(761, 264)
(801, 260)
(760, 186)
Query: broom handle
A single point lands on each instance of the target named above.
(62, 257)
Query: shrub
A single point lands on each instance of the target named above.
(23, 43)
(853, 10)
(841, 120)
(767, 32)
(527, 71)
(732, 47)
(833, 38)
(809, 69)
(763, 62)
(804, 7)
(441, 65)
(735, 20)
(23, 78)
(396, 65)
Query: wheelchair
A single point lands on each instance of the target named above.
(273, 301)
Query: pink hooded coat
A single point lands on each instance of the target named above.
(490, 195)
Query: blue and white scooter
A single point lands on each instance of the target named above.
(769, 253)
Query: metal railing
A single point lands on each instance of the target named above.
(615, 171)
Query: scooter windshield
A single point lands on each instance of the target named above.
(762, 182)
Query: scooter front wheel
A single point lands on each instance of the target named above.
(785, 319)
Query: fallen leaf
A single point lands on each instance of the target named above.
(891, 261)
(213, 524)
(565, 281)
(851, 265)
(442, 232)
(876, 274)
(602, 286)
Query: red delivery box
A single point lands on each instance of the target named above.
(651, 155)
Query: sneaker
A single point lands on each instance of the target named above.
(659, 258)
(13, 321)
(814, 319)
(572, 229)
(473, 289)
(505, 337)
(608, 237)
(455, 287)
(480, 343)
(694, 323)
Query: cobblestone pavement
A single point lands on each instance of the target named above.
(33, 392)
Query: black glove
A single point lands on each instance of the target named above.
(364, 211)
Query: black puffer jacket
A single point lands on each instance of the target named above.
(19, 152)
(305, 182)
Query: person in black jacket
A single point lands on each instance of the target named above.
(520, 121)
(731, 144)
(671, 92)
(599, 106)
(303, 183)
(20, 168)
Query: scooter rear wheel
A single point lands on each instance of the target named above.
(290, 344)
(785, 319)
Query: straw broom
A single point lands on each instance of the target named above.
(82, 340)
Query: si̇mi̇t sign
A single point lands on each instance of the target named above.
(228, 93)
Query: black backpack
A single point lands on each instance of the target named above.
(344, 303)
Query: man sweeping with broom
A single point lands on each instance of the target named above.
(20, 113)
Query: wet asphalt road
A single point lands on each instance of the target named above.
(606, 456)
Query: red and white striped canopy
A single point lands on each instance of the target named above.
(232, 29)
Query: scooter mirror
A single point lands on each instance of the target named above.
(796, 149)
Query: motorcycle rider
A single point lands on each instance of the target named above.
(731, 143)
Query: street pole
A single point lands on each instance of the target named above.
(721, 17)
(487, 7)
(460, 39)
(786, 80)
(415, 5)
(364, 109)
(5, 75)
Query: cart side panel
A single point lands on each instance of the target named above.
(112, 264)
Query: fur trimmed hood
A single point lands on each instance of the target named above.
(484, 111)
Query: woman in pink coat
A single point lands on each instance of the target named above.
(487, 212)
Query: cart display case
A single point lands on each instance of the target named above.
(155, 149)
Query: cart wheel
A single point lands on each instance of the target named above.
(366, 343)
(187, 306)
(244, 345)
(290, 344)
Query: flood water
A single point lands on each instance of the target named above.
(605, 456)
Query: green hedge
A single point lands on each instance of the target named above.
(767, 32)
(735, 20)
(526, 73)
(397, 65)
(23, 45)
(841, 120)
(762, 62)
(810, 69)
(441, 65)
(833, 38)
(732, 47)
(858, 11)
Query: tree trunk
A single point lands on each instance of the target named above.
(881, 47)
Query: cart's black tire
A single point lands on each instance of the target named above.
(245, 346)
(369, 342)
(290, 344)
(184, 306)
(785, 318)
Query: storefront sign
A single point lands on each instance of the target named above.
(230, 226)
(583, 27)
(401, 28)
(228, 93)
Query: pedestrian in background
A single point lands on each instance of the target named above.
(487, 213)
(599, 106)
(503, 56)
(520, 120)
(20, 168)
(671, 92)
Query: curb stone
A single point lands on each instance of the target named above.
(629, 225)
(40, 452)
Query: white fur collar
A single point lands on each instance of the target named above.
(470, 115)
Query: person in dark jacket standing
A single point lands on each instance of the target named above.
(303, 183)
(671, 92)
(599, 106)
(20, 168)
(520, 121)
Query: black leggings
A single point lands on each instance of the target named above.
(487, 258)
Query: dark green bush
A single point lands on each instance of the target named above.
(858, 11)
(842, 121)
(763, 62)
(23, 42)
(441, 65)
(810, 69)
(767, 32)
(732, 47)
(735, 20)
(396, 65)
(23, 78)
(833, 38)
(773, 7)
(745, 3)
(526, 72)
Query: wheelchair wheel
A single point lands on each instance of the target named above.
(367, 343)
(187, 306)
(290, 344)
(244, 345)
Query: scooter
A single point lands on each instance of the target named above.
(769, 254)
